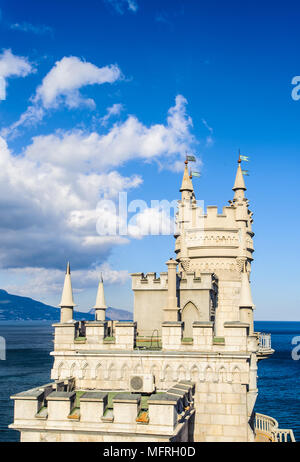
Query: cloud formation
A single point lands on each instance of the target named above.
(62, 83)
(209, 138)
(41, 282)
(49, 194)
(12, 66)
(61, 87)
(112, 111)
(120, 6)
(35, 29)
(123, 142)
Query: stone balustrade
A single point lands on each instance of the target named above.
(264, 340)
(266, 429)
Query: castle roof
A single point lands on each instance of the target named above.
(239, 179)
(67, 294)
(100, 299)
(187, 184)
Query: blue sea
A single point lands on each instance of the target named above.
(28, 364)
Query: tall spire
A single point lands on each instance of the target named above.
(245, 297)
(100, 299)
(100, 306)
(67, 294)
(187, 184)
(239, 183)
(187, 188)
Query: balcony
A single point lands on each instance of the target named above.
(266, 430)
(264, 345)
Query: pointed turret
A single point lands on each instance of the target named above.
(245, 296)
(239, 183)
(100, 305)
(67, 302)
(246, 303)
(187, 189)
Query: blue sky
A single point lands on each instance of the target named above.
(106, 96)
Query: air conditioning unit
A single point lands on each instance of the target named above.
(142, 383)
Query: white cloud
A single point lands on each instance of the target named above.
(121, 5)
(50, 193)
(128, 140)
(42, 282)
(114, 110)
(209, 138)
(61, 87)
(152, 221)
(69, 74)
(37, 202)
(35, 29)
(12, 66)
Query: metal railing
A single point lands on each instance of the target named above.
(266, 429)
(264, 341)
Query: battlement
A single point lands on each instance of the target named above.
(94, 334)
(96, 411)
(225, 220)
(141, 281)
(189, 281)
(237, 337)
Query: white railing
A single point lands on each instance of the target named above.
(264, 341)
(266, 428)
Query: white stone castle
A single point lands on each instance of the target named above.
(185, 369)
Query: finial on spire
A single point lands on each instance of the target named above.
(240, 160)
(68, 271)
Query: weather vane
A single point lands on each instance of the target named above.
(245, 159)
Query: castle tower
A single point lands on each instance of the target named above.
(243, 214)
(100, 306)
(185, 217)
(220, 244)
(67, 303)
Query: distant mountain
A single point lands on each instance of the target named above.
(115, 314)
(16, 308)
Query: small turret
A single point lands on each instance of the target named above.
(100, 306)
(246, 303)
(239, 187)
(171, 311)
(246, 297)
(67, 302)
(187, 189)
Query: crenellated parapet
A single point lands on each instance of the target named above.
(96, 336)
(150, 281)
(165, 416)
